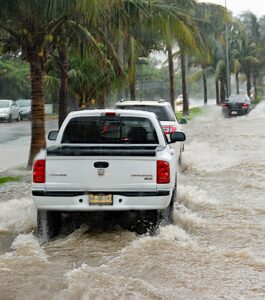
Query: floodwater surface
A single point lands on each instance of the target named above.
(215, 249)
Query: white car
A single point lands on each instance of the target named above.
(9, 110)
(163, 111)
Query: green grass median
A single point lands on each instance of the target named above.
(8, 179)
(194, 112)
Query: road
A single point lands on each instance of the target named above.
(15, 143)
(214, 249)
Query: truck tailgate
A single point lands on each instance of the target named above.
(101, 169)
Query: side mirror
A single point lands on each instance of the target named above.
(182, 121)
(177, 136)
(52, 136)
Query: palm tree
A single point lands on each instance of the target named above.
(30, 25)
(178, 30)
(251, 50)
(210, 20)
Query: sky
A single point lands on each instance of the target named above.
(239, 6)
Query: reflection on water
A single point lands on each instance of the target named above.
(214, 250)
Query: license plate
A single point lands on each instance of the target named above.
(100, 199)
(233, 112)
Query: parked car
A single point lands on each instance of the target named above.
(236, 105)
(179, 100)
(25, 108)
(107, 161)
(9, 110)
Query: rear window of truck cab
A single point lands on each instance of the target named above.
(109, 130)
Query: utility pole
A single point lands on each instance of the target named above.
(228, 91)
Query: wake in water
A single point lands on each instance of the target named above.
(17, 215)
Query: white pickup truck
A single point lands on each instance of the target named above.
(106, 161)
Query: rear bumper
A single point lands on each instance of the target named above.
(122, 201)
(236, 112)
(4, 116)
(25, 115)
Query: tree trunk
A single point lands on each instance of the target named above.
(222, 90)
(132, 80)
(205, 92)
(63, 91)
(248, 75)
(102, 101)
(171, 77)
(255, 88)
(217, 91)
(183, 59)
(38, 141)
(237, 83)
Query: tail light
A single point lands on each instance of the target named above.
(162, 172)
(110, 114)
(39, 171)
(169, 128)
(224, 105)
(245, 105)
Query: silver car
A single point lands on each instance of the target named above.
(25, 108)
(9, 110)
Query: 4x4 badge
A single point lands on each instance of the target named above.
(101, 172)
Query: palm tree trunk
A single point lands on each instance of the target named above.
(255, 87)
(63, 91)
(102, 100)
(248, 75)
(132, 90)
(38, 141)
(205, 92)
(132, 80)
(183, 59)
(222, 91)
(171, 77)
(217, 90)
(237, 83)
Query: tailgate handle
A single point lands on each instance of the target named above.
(101, 164)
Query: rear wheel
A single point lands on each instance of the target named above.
(48, 224)
(141, 222)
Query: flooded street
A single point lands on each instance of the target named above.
(215, 249)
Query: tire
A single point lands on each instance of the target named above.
(150, 220)
(19, 118)
(48, 224)
(9, 120)
(141, 222)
